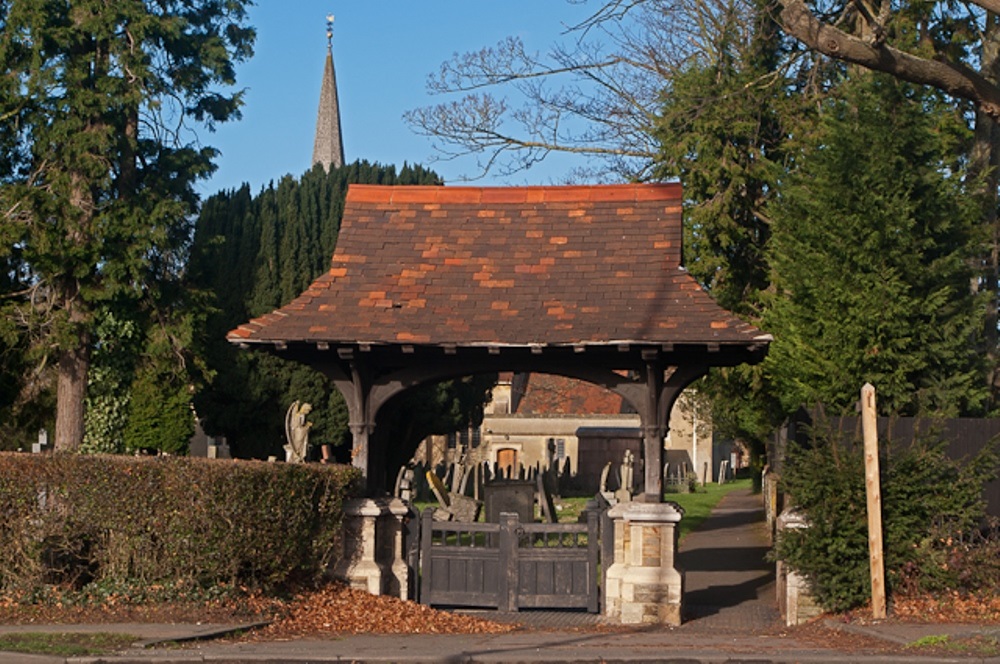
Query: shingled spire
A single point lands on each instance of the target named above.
(328, 149)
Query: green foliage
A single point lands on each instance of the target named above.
(873, 240)
(722, 131)
(923, 492)
(114, 522)
(159, 414)
(112, 365)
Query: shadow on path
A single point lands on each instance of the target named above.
(728, 582)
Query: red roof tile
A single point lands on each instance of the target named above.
(506, 266)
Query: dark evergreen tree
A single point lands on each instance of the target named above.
(722, 134)
(98, 173)
(873, 242)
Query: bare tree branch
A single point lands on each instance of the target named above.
(955, 78)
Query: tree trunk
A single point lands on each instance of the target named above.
(70, 393)
(74, 360)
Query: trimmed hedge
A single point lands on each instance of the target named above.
(74, 521)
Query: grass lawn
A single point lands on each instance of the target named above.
(65, 644)
(697, 506)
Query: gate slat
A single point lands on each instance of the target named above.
(510, 565)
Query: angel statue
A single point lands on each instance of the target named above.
(297, 432)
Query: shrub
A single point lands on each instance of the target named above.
(113, 521)
(924, 495)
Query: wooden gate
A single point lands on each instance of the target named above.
(509, 565)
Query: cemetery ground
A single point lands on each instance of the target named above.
(64, 626)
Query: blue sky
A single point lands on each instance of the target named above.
(383, 53)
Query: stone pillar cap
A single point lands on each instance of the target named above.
(668, 512)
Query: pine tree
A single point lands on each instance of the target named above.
(722, 132)
(873, 239)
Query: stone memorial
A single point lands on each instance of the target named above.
(297, 432)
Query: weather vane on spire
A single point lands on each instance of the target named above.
(329, 30)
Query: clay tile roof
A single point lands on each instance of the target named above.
(508, 266)
(548, 394)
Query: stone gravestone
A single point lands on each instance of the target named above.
(548, 508)
(442, 513)
(565, 479)
(604, 491)
(453, 506)
(457, 479)
(626, 477)
(404, 484)
(514, 496)
(463, 485)
(464, 508)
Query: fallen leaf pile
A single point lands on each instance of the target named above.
(331, 609)
(951, 607)
(338, 609)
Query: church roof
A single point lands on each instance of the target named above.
(549, 394)
(506, 266)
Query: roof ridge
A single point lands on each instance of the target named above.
(392, 194)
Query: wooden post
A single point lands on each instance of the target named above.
(869, 423)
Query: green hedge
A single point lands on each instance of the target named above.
(928, 500)
(75, 521)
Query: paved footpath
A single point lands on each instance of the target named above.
(730, 616)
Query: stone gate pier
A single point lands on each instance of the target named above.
(643, 586)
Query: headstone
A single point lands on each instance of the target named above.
(548, 508)
(404, 484)
(463, 508)
(565, 479)
(439, 489)
(624, 492)
(513, 496)
(604, 491)
(457, 483)
(463, 485)
(723, 471)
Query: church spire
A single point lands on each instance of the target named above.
(328, 149)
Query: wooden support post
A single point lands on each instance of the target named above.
(869, 423)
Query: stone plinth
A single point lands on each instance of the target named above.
(795, 601)
(372, 556)
(642, 585)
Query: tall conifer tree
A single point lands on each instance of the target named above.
(874, 236)
(97, 180)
